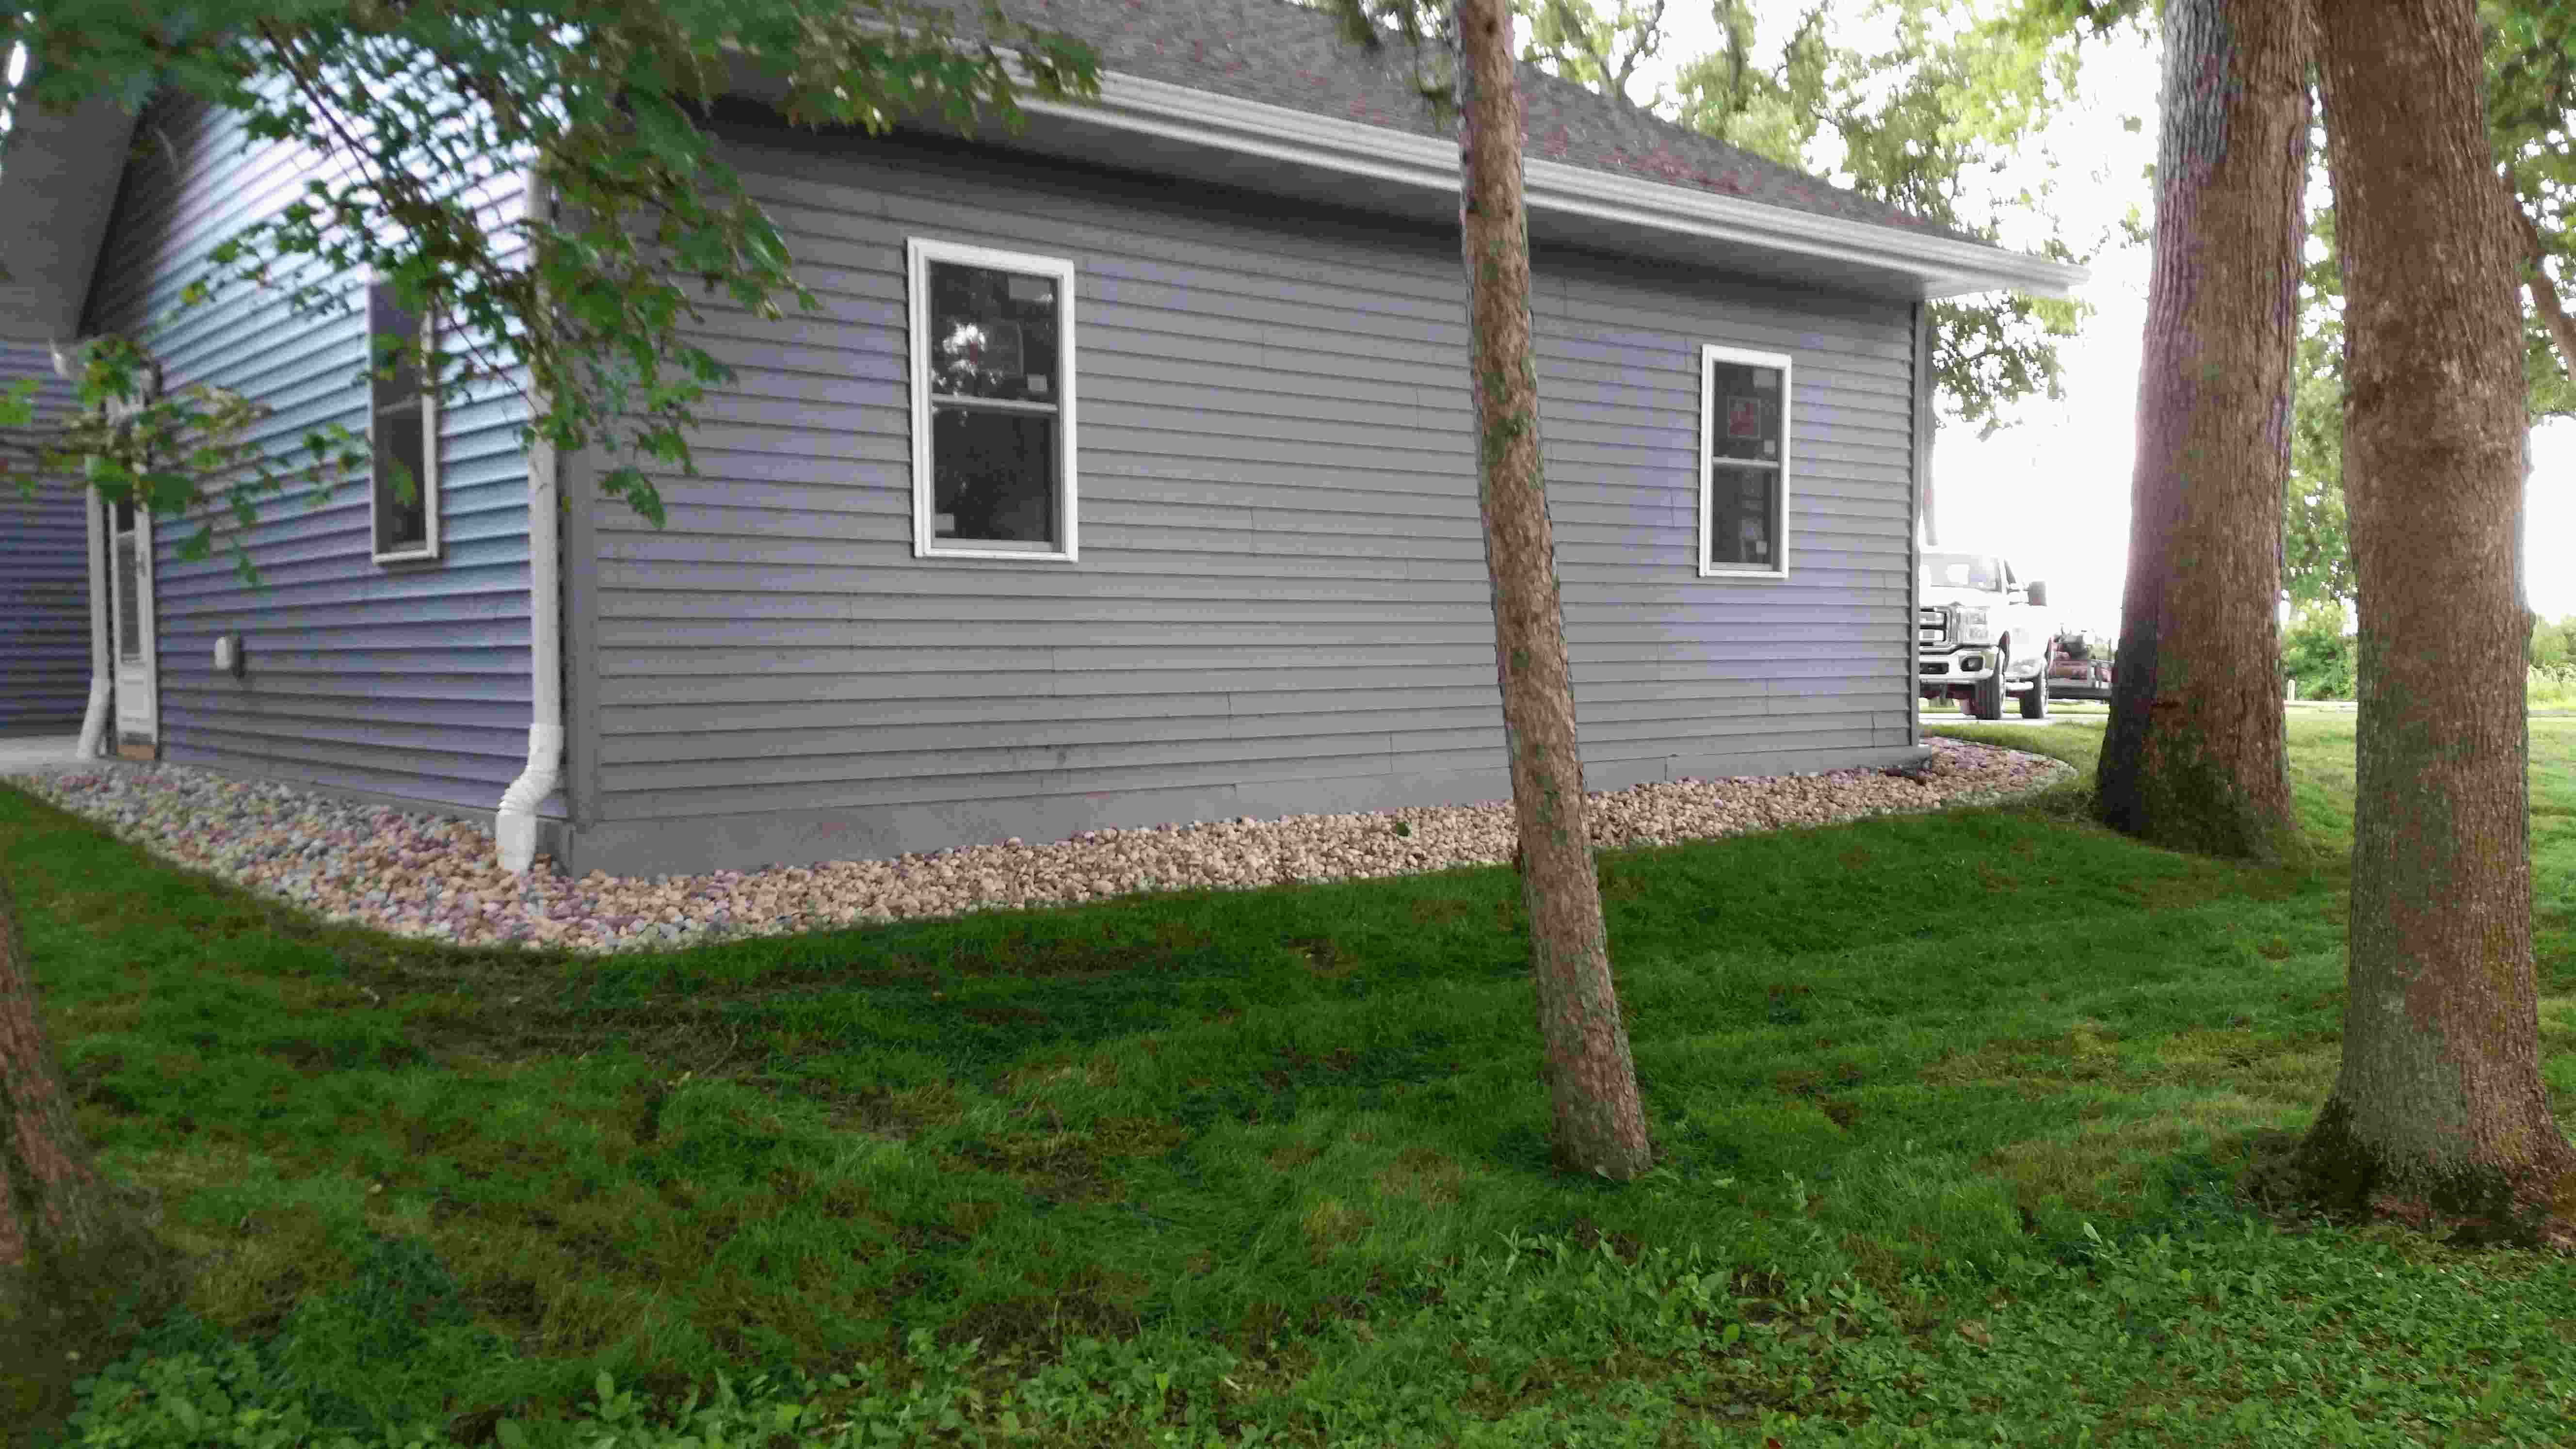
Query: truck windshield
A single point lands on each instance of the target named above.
(1962, 571)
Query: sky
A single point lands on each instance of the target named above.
(2051, 489)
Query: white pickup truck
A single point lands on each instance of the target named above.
(1981, 633)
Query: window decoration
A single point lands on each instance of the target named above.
(402, 422)
(1744, 463)
(992, 403)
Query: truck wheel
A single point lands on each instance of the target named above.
(2034, 705)
(1987, 702)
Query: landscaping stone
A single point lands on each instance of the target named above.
(425, 875)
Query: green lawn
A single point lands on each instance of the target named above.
(1949, 1110)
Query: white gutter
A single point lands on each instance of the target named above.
(514, 825)
(1946, 266)
(102, 662)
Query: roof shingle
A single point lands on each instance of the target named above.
(1284, 54)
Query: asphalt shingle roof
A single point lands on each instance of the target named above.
(1284, 54)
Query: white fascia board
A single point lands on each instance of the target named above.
(1944, 266)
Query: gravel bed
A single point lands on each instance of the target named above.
(424, 875)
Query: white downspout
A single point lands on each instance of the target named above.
(514, 825)
(102, 663)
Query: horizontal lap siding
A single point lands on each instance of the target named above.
(408, 680)
(1281, 599)
(1829, 646)
(44, 579)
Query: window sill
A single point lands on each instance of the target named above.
(1018, 555)
(417, 555)
(1741, 571)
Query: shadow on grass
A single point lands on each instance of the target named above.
(1909, 1050)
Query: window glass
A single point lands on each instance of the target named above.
(129, 583)
(392, 335)
(1747, 414)
(402, 505)
(1743, 503)
(993, 419)
(405, 479)
(992, 334)
(994, 476)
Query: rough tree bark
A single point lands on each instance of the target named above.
(1592, 1083)
(2194, 755)
(2439, 1106)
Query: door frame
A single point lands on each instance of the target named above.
(137, 721)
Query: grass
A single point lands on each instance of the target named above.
(2553, 690)
(1948, 1111)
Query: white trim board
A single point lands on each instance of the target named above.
(1711, 354)
(919, 253)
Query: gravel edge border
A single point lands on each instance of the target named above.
(437, 877)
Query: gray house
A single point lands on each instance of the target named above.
(44, 581)
(1126, 476)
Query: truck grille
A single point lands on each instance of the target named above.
(1932, 627)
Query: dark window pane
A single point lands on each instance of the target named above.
(1743, 522)
(402, 510)
(392, 334)
(992, 476)
(993, 334)
(1746, 410)
(129, 579)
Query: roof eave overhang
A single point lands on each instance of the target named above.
(58, 174)
(1564, 200)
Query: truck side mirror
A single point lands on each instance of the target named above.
(2038, 592)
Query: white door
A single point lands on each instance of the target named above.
(129, 568)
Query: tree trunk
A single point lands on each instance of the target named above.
(1600, 1125)
(52, 1204)
(2439, 1105)
(2194, 755)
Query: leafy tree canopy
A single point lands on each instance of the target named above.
(2531, 84)
(421, 114)
(1936, 119)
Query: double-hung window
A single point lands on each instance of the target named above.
(402, 426)
(992, 403)
(1743, 463)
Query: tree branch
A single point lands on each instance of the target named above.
(2544, 292)
(1648, 39)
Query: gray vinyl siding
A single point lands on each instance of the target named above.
(1281, 602)
(44, 578)
(407, 680)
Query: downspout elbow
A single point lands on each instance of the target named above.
(93, 735)
(514, 825)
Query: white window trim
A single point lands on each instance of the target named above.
(427, 550)
(1710, 355)
(919, 253)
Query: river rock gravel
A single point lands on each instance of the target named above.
(432, 876)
